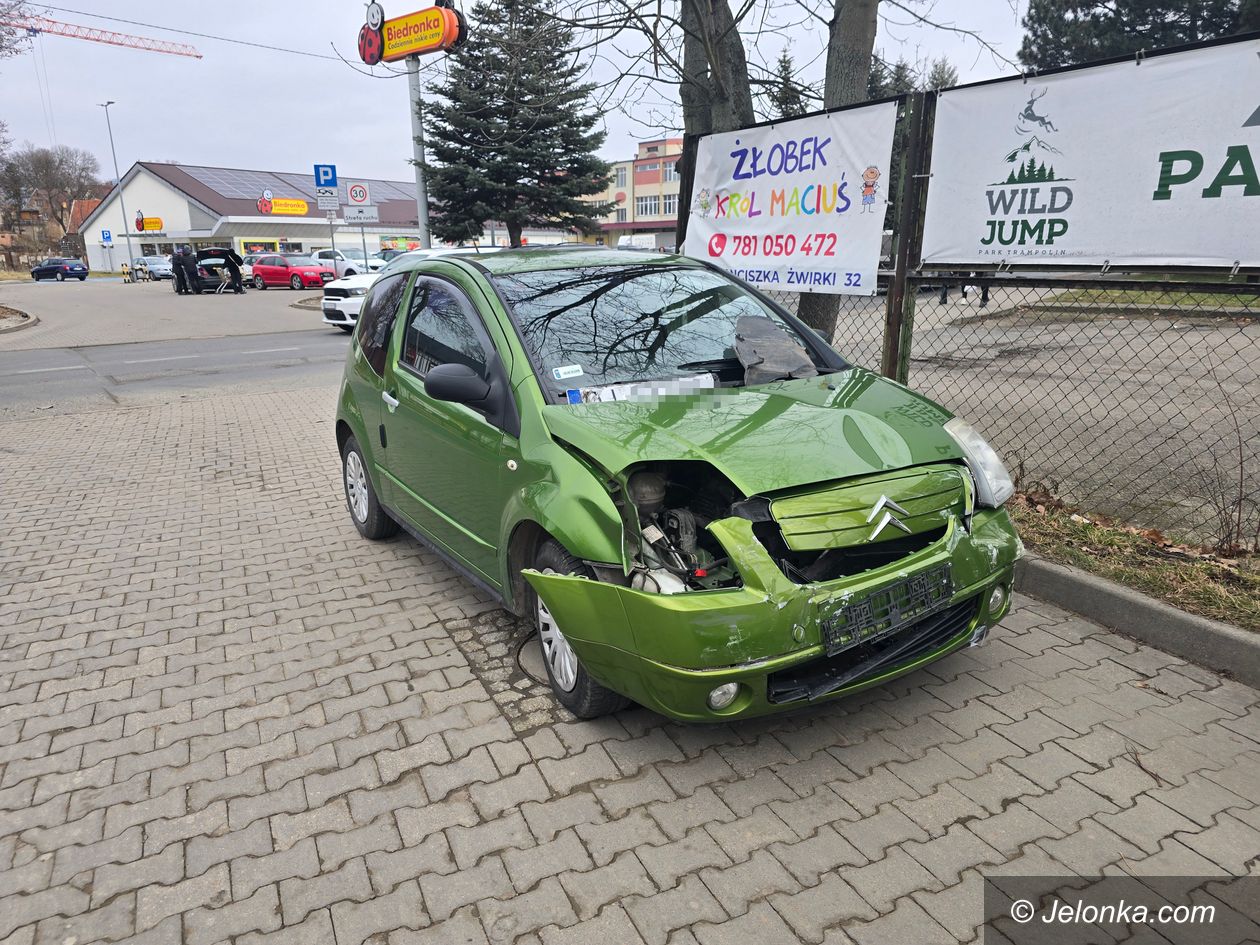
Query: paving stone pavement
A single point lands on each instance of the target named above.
(225, 717)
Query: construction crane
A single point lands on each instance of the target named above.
(35, 25)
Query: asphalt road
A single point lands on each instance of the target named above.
(68, 379)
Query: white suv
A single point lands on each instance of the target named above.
(349, 262)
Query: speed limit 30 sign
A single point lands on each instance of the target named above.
(357, 194)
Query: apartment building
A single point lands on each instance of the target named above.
(645, 191)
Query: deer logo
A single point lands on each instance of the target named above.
(1030, 117)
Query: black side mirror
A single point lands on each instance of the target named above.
(457, 383)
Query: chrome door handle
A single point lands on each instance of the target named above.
(390, 401)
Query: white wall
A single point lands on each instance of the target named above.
(143, 192)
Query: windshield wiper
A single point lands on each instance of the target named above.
(710, 364)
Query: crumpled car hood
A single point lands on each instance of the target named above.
(767, 438)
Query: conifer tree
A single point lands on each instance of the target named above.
(1065, 32)
(785, 97)
(513, 137)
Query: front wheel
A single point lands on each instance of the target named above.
(346, 328)
(258, 283)
(571, 684)
(365, 511)
(295, 282)
(61, 277)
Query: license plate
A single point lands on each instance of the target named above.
(328, 307)
(887, 610)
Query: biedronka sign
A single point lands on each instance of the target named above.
(1138, 163)
(798, 205)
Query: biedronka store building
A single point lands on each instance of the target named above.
(251, 211)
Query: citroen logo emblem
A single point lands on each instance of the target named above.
(887, 506)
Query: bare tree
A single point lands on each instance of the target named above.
(13, 39)
(57, 176)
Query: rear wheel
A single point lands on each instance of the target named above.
(295, 282)
(83, 278)
(365, 511)
(571, 684)
(61, 277)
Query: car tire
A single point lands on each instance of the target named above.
(295, 283)
(258, 283)
(83, 278)
(346, 328)
(365, 511)
(61, 277)
(571, 684)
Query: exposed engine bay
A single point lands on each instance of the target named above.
(668, 506)
(673, 503)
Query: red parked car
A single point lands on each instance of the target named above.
(291, 269)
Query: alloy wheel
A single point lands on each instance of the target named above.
(557, 651)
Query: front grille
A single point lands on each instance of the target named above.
(817, 678)
(336, 293)
(850, 513)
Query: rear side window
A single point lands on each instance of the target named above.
(376, 318)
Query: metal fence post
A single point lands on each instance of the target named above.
(899, 313)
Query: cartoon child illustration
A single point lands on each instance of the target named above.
(704, 202)
(869, 177)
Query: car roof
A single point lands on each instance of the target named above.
(532, 260)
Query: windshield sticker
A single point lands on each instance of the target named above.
(566, 372)
(640, 390)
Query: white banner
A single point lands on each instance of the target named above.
(1129, 164)
(798, 205)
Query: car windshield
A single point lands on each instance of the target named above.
(155, 260)
(602, 325)
(300, 261)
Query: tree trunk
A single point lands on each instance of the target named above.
(715, 91)
(514, 233)
(849, 48)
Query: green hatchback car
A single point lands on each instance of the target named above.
(702, 506)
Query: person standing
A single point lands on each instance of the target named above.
(190, 270)
(177, 269)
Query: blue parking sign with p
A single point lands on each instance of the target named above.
(106, 236)
(325, 175)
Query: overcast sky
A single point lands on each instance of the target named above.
(254, 108)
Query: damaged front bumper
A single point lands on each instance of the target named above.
(778, 639)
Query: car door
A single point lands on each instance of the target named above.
(446, 461)
(274, 271)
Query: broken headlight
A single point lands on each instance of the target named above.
(993, 483)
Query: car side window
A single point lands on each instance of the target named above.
(441, 330)
(376, 318)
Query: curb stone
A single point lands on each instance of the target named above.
(29, 322)
(1208, 643)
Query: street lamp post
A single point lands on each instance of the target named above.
(118, 177)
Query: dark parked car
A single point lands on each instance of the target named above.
(212, 271)
(60, 269)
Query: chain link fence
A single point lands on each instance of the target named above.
(1135, 399)
(1139, 400)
